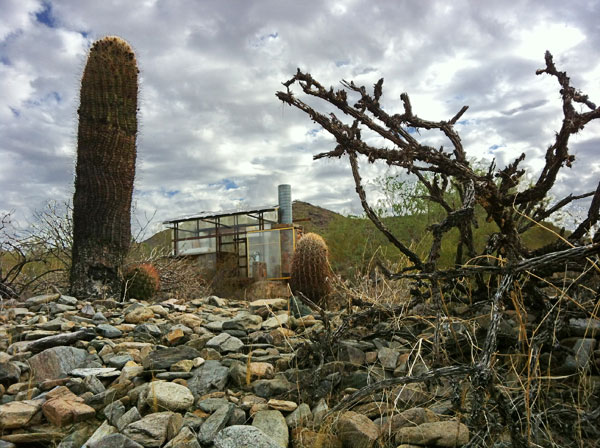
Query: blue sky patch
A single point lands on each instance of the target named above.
(227, 183)
(494, 147)
(45, 16)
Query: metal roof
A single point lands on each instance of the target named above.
(206, 215)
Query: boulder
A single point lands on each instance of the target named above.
(168, 396)
(438, 434)
(215, 423)
(241, 436)
(154, 429)
(166, 357)
(63, 407)
(273, 424)
(56, 362)
(210, 376)
(18, 414)
(356, 430)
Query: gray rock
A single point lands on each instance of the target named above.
(147, 329)
(52, 325)
(99, 372)
(170, 376)
(301, 416)
(584, 327)
(352, 355)
(186, 330)
(67, 300)
(9, 373)
(193, 421)
(319, 410)
(81, 433)
(115, 441)
(114, 411)
(169, 396)
(132, 415)
(56, 308)
(93, 384)
(238, 417)
(273, 424)
(36, 301)
(224, 342)
(245, 322)
(185, 439)
(87, 310)
(103, 431)
(356, 430)
(120, 360)
(388, 358)
(270, 388)
(216, 325)
(439, 434)
(215, 423)
(155, 429)
(212, 404)
(280, 320)
(241, 436)
(164, 358)
(108, 331)
(99, 317)
(209, 377)
(584, 349)
(217, 301)
(56, 362)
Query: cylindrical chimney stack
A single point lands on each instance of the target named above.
(285, 204)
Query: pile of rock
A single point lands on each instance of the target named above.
(209, 372)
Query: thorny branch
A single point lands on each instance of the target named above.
(505, 263)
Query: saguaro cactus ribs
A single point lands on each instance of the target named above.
(106, 152)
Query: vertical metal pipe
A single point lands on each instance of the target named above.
(285, 203)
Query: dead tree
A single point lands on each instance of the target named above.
(505, 262)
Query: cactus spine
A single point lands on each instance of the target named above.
(106, 152)
(310, 268)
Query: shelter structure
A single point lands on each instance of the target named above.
(256, 242)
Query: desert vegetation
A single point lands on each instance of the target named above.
(543, 286)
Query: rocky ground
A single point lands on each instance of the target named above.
(225, 373)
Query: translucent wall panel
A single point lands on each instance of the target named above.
(270, 253)
(197, 246)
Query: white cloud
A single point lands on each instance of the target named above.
(210, 70)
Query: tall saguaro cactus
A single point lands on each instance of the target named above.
(106, 152)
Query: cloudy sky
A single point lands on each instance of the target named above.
(212, 133)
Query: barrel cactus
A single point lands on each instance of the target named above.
(141, 282)
(311, 273)
(104, 174)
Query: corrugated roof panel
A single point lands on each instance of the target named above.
(207, 214)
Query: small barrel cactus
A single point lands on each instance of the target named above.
(310, 268)
(141, 282)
